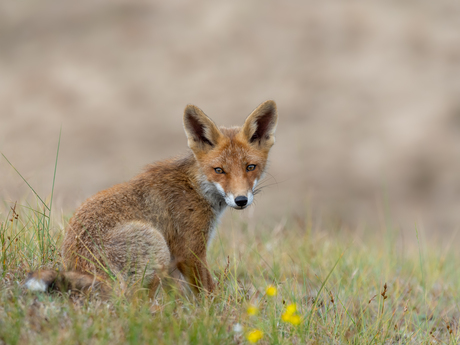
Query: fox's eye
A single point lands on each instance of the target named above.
(250, 167)
(219, 170)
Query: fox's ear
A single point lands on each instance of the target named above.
(259, 128)
(202, 133)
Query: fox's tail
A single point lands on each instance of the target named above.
(44, 280)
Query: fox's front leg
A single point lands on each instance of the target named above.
(197, 274)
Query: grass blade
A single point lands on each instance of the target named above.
(33, 190)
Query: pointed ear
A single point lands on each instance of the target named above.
(202, 133)
(259, 128)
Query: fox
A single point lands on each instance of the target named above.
(167, 215)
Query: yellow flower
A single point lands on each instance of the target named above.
(290, 316)
(295, 320)
(254, 336)
(285, 317)
(252, 310)
(291, 309)
(271, 290)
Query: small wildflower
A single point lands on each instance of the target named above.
(290, 316)
(252, 310)
(237, 328)
(295, 320)
(271, 290)
(291, 309)
(285, 317)
(254, 336)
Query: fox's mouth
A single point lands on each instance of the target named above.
(240, 207)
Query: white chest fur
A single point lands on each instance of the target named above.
(218, 204)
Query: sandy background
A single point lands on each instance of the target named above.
(368, 96)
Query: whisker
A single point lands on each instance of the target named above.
(264, 183)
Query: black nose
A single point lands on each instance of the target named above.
(241, 201)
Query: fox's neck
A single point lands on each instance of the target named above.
(212, 195)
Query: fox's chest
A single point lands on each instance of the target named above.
(218, 212)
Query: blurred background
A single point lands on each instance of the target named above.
(368, 96)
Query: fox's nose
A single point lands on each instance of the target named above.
(241, 201)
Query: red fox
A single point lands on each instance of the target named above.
(169, 212)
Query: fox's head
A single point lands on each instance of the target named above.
(233, 159)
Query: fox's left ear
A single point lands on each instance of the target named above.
(259, 128)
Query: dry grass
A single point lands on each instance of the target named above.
(347, 288)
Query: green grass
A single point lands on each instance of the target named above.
(347, 287)
(334, 276)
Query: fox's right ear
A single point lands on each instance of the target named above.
(202, 133)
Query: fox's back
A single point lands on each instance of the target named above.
(166, 196)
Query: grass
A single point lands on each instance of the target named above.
(346, 288)
(292, 282)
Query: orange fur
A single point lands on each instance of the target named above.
(167, 213)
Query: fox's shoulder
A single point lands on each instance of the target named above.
(180, 171)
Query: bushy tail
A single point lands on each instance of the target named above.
(44, 280)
